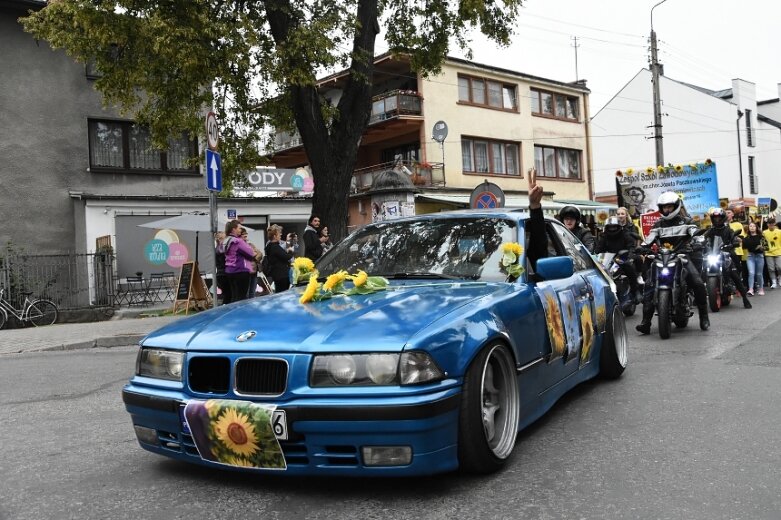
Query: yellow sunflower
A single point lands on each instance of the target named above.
(660, 168)
(587, 329)
(649, 170)
(512, 247)
(360, 278)
(239, 461)
(334, 280)
(236, 431)
(629, 171)
(311, 289)
(303, 263)
(678, 168)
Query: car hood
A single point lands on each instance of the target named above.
(385, 320)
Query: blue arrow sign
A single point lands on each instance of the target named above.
(213, 171)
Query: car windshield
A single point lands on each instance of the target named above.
(448, 248)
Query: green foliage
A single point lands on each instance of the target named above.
(166, 63)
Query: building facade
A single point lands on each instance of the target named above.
(740, 133)
(498, 122)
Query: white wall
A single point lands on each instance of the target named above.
(696, 126)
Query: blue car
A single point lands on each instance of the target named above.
(420, 345)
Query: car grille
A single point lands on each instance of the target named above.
(258, 376)
(209, 375)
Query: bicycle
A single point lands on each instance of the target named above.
(39, 312)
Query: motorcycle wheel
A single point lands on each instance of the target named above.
(714, 294)
(726, 299)
(682, 319)
(663, 307)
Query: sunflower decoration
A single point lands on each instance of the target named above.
(303, 268)
(660, 168)
(650, 169)
(678, 168)
(708, 162)
(334, 285)
(630, 172)
(602, 217)
(511, 258)
(236, 432)
(619, 173)
(693, 167)
(587, 330)
(555, 323)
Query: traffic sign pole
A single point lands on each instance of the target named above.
(213, 184)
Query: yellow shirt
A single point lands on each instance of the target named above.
(773, 241)
(737, 227)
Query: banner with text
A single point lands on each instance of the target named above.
(695, 183)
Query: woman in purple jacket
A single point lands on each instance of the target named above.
(236, 271)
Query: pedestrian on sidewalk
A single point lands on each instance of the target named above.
(752, 245)
(236, 252)
(773, 255)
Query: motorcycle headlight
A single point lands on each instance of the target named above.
(665, 271)
(659, 264)
(160, 364)
(713, 259)
(378, 369)
(614, 269)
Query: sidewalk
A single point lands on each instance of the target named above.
(127, 330)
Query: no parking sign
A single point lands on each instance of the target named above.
(487, 196)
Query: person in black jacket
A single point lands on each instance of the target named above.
(313, 242)
(615, 239)
(279, 256)
(719, 228)
(673, 227)
(570, 216)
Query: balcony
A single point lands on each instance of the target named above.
(394, 104)
(423, 175)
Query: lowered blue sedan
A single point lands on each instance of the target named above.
(418, 346)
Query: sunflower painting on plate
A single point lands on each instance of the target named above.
(571, 322)
(600, 311)
(236, 433)
(587, 330)
(553, 320)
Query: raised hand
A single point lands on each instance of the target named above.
(535, 191)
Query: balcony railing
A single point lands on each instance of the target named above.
(421, 174)
(395, 103)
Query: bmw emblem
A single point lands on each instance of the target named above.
(246, 336)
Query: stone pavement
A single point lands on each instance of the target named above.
(70, 336)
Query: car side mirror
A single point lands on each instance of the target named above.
(555, 268)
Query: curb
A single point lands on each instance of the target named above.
(121, 340)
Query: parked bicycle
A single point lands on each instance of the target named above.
(39, 312)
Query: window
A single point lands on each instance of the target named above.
(123, 145)
(561, 163)
(573, 247)
(486, 92)
(484, 156)
(555, 105)
(749, 130)
(753, 182)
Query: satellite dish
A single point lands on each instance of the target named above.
(440, 131)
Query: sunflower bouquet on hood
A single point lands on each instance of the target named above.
(334, 285)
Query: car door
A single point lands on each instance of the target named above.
(564, 301)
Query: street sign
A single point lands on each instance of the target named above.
(231, 214)
(212, 131)
(213, 171)
(486, 196)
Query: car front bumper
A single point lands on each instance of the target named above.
(325, 438)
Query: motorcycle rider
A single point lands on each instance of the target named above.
(570, 216)
(673, 227)
(719, 228)
(615, 238)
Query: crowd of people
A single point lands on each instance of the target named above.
(754, 248)
(244, 270)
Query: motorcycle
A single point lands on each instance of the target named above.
(612, 262)
(673, 298)
(717, 264)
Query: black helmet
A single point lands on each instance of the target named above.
(667, 198)
(570, 211)
(613, 226)
(718, 217)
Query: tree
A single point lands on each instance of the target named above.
(166, 62)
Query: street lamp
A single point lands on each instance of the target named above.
(657, 98)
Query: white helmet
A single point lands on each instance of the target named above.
(667, 198)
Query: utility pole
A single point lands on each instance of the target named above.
(655, 72)
(575, 39)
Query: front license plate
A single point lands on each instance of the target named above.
(278, 423)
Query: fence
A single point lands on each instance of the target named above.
(72, 281)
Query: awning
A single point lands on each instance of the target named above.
(587, 207)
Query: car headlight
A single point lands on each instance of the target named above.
(160, 364)
(377, 369)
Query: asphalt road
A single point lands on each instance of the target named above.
(692, 431)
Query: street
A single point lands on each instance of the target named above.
(691, 431)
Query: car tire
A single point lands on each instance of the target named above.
(490, 411)
(613, 355)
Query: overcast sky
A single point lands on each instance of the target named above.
(703, 42)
